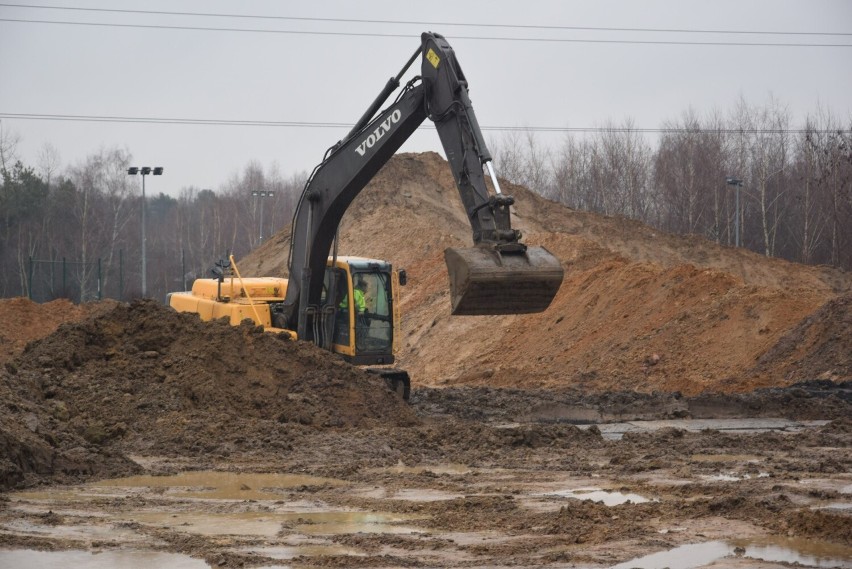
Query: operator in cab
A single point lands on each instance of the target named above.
(360, 298)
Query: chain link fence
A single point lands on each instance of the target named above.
(119, 279)
(49, 279)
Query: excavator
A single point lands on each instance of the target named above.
(498, 275)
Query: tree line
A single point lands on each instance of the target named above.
(76, 232)
(794, 182)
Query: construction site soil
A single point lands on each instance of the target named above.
(676, 394)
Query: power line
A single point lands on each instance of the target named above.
(408, 36)
(308, 124)
(422, 23)
(161, 120)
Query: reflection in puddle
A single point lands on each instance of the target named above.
(207, 484)
(215, 485)
(608, 497)
(30, 559)
(78, 532)
(732, 477)
(266, 524)
(293, 551)
(812, 553)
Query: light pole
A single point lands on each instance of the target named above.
(144, 171)
(262, 194)
(739, 184)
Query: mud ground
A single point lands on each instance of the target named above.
(481, 480)
(457, 492)
(140, 437)
(681, 404)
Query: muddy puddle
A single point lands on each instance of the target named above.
(607, 497)
(266, 524)
(204, 485)
(291, 552)
(804, 552)
(549, 496)
(265, 503)
(401, 468)
(31, 559)
(745, 458)
(731, 477)
(214, 485)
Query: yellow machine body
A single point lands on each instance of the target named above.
(238, 299)
(235, 299)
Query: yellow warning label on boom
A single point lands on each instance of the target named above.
(433, 58)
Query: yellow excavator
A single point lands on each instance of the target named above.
(498, 275)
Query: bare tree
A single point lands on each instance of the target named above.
(9, 141)
(769, 157)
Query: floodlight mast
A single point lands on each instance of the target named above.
(144, 171)
(262, 194)
(738, 183)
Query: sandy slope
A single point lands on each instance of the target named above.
(639, 308)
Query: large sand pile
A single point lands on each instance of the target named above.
(639, 309)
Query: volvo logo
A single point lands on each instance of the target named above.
(383, 128)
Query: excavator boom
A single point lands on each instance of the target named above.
(499, 275)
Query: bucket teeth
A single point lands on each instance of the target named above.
(486, 281)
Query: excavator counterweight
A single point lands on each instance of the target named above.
(484, 281)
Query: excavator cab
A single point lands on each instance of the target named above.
(360, 294)
(361, 316)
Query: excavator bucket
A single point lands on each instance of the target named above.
(485, 281)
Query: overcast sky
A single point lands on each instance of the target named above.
(327, 72)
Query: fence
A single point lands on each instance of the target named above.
(49, 279)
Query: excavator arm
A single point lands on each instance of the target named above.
(499, 275)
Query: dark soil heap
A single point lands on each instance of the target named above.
(142, 378)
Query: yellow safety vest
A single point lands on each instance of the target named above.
(360, 302)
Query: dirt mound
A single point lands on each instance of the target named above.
(819, 347)
(639, 309)
(22, 320)
(143, 378)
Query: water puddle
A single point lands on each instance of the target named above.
(74, 559)
(339, 523)
(205, 485)
(401, 468)
(425, 495)
(287, 552)
(214, 485)
(732, 477)
(265, 524)
(842, 506)
(608, 497)
(812, 553)
(725, 458)
(77, 532)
